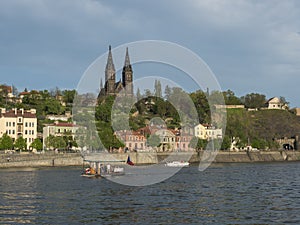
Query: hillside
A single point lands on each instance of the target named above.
(261, 126)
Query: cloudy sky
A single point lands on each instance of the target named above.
(251, 46)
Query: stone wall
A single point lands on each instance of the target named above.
(140, 158)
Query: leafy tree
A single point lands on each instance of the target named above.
(138, 94)
(68, 96)
(37, 144)
(20, 143)
(230, 98)
(167, 92)
(254, 100)
(157, 89)
(153, 140)
(6, 142)
(226, 144)
(59, 143)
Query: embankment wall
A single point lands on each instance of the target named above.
(139, 158)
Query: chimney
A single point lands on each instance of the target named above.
(3, 110)
(16, 111)
(22, 111)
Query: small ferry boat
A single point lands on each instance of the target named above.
(105, 168)
(178, 164)
(105, 171)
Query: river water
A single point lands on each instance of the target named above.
(257, 193)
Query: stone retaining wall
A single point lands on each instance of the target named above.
(39, 160)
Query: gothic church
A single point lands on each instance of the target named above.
(111, 87)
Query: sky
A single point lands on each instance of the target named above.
(251, 46)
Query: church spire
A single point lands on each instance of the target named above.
(110, 64)
(127, 60)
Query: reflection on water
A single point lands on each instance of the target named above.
(262, 193)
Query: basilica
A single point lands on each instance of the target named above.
(111, 87)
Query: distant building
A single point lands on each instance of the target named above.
(19, 123)
(111, 87)
(230, 106)
(64, 117)
(275, 103)
(207, 132)
(59, 129)
(297, 111)
(170, 140)
(132, 140)
(7, 91)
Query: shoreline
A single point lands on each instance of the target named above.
(142, 158)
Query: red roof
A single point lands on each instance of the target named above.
(18, 113)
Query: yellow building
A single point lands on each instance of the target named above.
(59, 129)
(19, 123)
(207, 132)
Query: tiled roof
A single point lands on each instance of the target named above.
(13, 114)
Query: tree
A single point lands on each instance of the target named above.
(167, 92)
(6, 142)
(138, 94)
(254, 100)
(153, 140)
(68, 96)
(157, 89)
(20, 143)
(37, 144)
(226, 144)
(230, 98)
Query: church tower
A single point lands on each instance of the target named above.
(127, 75)
(110, 75)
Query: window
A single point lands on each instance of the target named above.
(14, 124)
(13, 131)
(58, 131)
(9, 124)
(32, 132)
(20, 120)
(32, 124)
(25, 131)
(26, 124)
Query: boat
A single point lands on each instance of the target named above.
(105, 168)
(177, 164)
(104, 171)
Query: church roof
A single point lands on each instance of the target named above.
(110, 64)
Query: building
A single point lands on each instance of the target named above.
(59, 129)
(19, 123)
(275, 103)
(7, 92)
(111, 87)
(207, 132)
(132, 140)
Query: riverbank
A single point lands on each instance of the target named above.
(140, 158)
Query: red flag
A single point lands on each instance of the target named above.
(129, 161)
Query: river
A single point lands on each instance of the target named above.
(241, 193)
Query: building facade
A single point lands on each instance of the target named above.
(19, 123)
(132, 140)
(59, 129)
(207, 132)
(111, 87)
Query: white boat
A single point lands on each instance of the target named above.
(178, 164)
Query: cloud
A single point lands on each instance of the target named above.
(242, 41)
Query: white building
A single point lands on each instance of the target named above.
(207, 132)
(275, 103)
(16, 123)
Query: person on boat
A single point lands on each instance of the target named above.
(108, 168)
